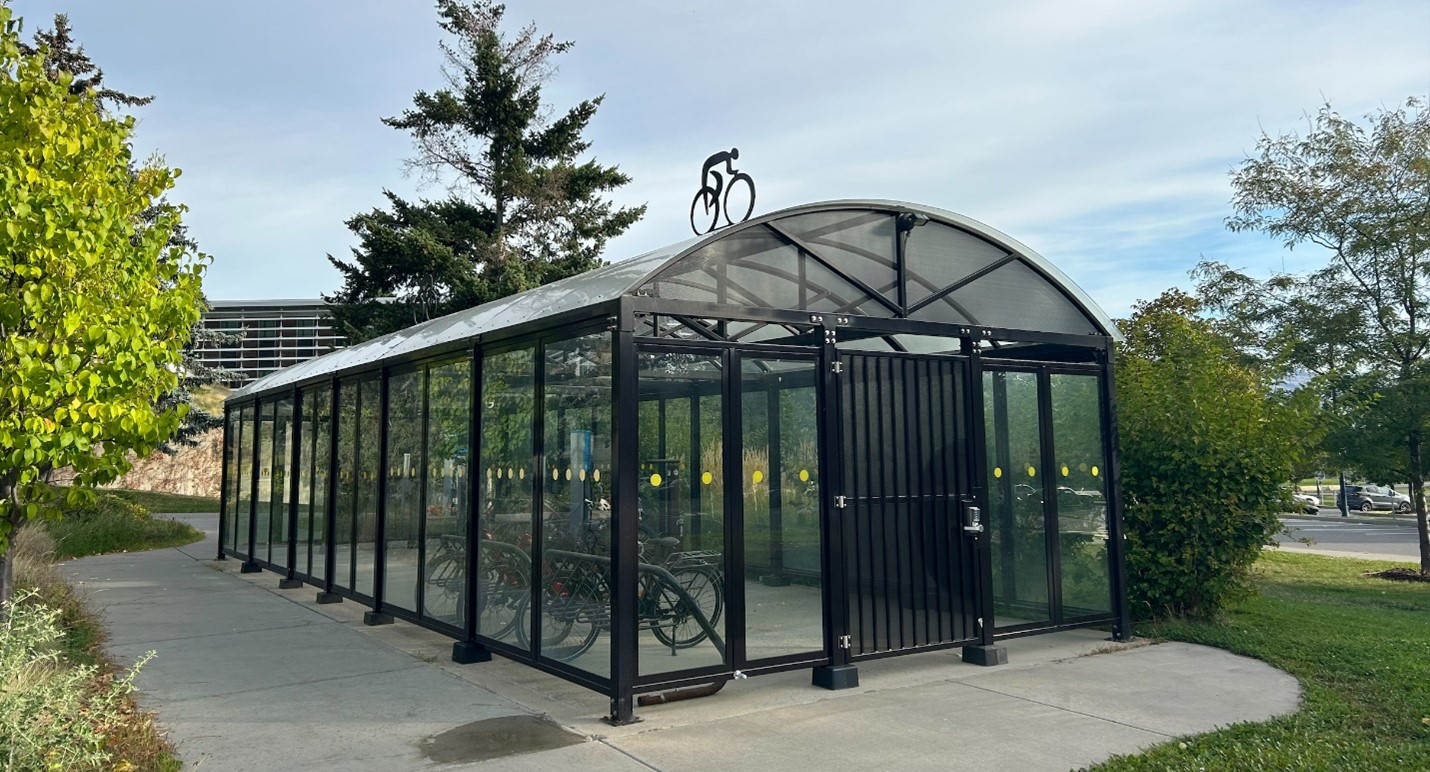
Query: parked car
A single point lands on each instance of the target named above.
(1308, 503)
(1368, 498)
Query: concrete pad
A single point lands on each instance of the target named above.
(1171, 688)
(587, 757)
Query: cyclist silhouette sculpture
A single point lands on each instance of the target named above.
(713, 200)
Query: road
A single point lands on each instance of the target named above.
(1390, 538)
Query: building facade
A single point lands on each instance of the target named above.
(275, 334)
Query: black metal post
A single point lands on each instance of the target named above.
(379, 552)
(250, 565)
(469, 651)
(625, 448)
(224, 475)
(1051, 530)
(291, 483)
(330, 502)
(839, 673)
(1116, 536)
(986, 652)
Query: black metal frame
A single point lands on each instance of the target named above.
(635, 323)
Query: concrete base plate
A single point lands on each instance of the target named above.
(987, 656)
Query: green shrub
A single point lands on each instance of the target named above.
(111, 523)
(1206, 446)
(54, 715)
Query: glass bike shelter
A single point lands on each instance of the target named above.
(837, 432)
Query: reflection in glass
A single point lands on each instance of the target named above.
(681, 577)
(1082, 500)
(282, 484)
(1017, 521)
(368, 454)
(576, 474)
(348, 471)
(784, 612)
(445, 511)
(302, 487)
(263, 511)
(243, 476)
(317, 410)
(404, 469)
(508, 476)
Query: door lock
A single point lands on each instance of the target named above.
(972, 518)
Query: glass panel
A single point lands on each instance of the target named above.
(303, 486)
(1018, 297)
(404, 479)
(449, 400)
(682, 571)
(937, 256)
(575, 600)
(263, 510)
(282, 484)
(243, 507)
(1017, 523)
(348, 472)
(784, 611)
(368, 456)
(1082, 500)
(859, 244)
(231, 422)
(507, 506)
(317, 418)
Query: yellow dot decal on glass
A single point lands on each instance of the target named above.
(655, 479)
(1082, 467)
(1065, 470)
(758, 476)
(489, 473)
(521, 473)
(499, 474)
(1094, 471)
(581, 474)
(555, 473)
(707, 478)
(1032, 472)
(997, 471)
(804, 475)
(596, 475)
(568, 473)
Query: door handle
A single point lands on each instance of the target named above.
(972, 518)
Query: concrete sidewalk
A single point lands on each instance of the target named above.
(249, 677)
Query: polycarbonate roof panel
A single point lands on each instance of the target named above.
(813, 257)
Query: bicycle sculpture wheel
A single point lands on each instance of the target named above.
(714, 198)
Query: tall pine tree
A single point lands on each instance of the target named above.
(521, 208)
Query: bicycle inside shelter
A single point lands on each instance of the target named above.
(833, 433)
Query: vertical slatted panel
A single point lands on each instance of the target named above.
(910, 570)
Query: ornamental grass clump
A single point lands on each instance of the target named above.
(54, 715)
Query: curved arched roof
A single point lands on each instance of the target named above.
(835, 257)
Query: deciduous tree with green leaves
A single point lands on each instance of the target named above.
(95, 307)
(1361, 324)
(522, 209)
(1206, 445)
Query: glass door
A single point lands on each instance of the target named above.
(778, 510)
(730, 573)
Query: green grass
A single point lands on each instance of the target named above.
(114, 523)
(167, 502)
(1361, 650)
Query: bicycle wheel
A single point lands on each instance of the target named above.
(442, 598)
(675, 624)
(745, 199)
(500, 590)
(574, 609)
(706, 206)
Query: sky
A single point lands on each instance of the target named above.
(1100, 133)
